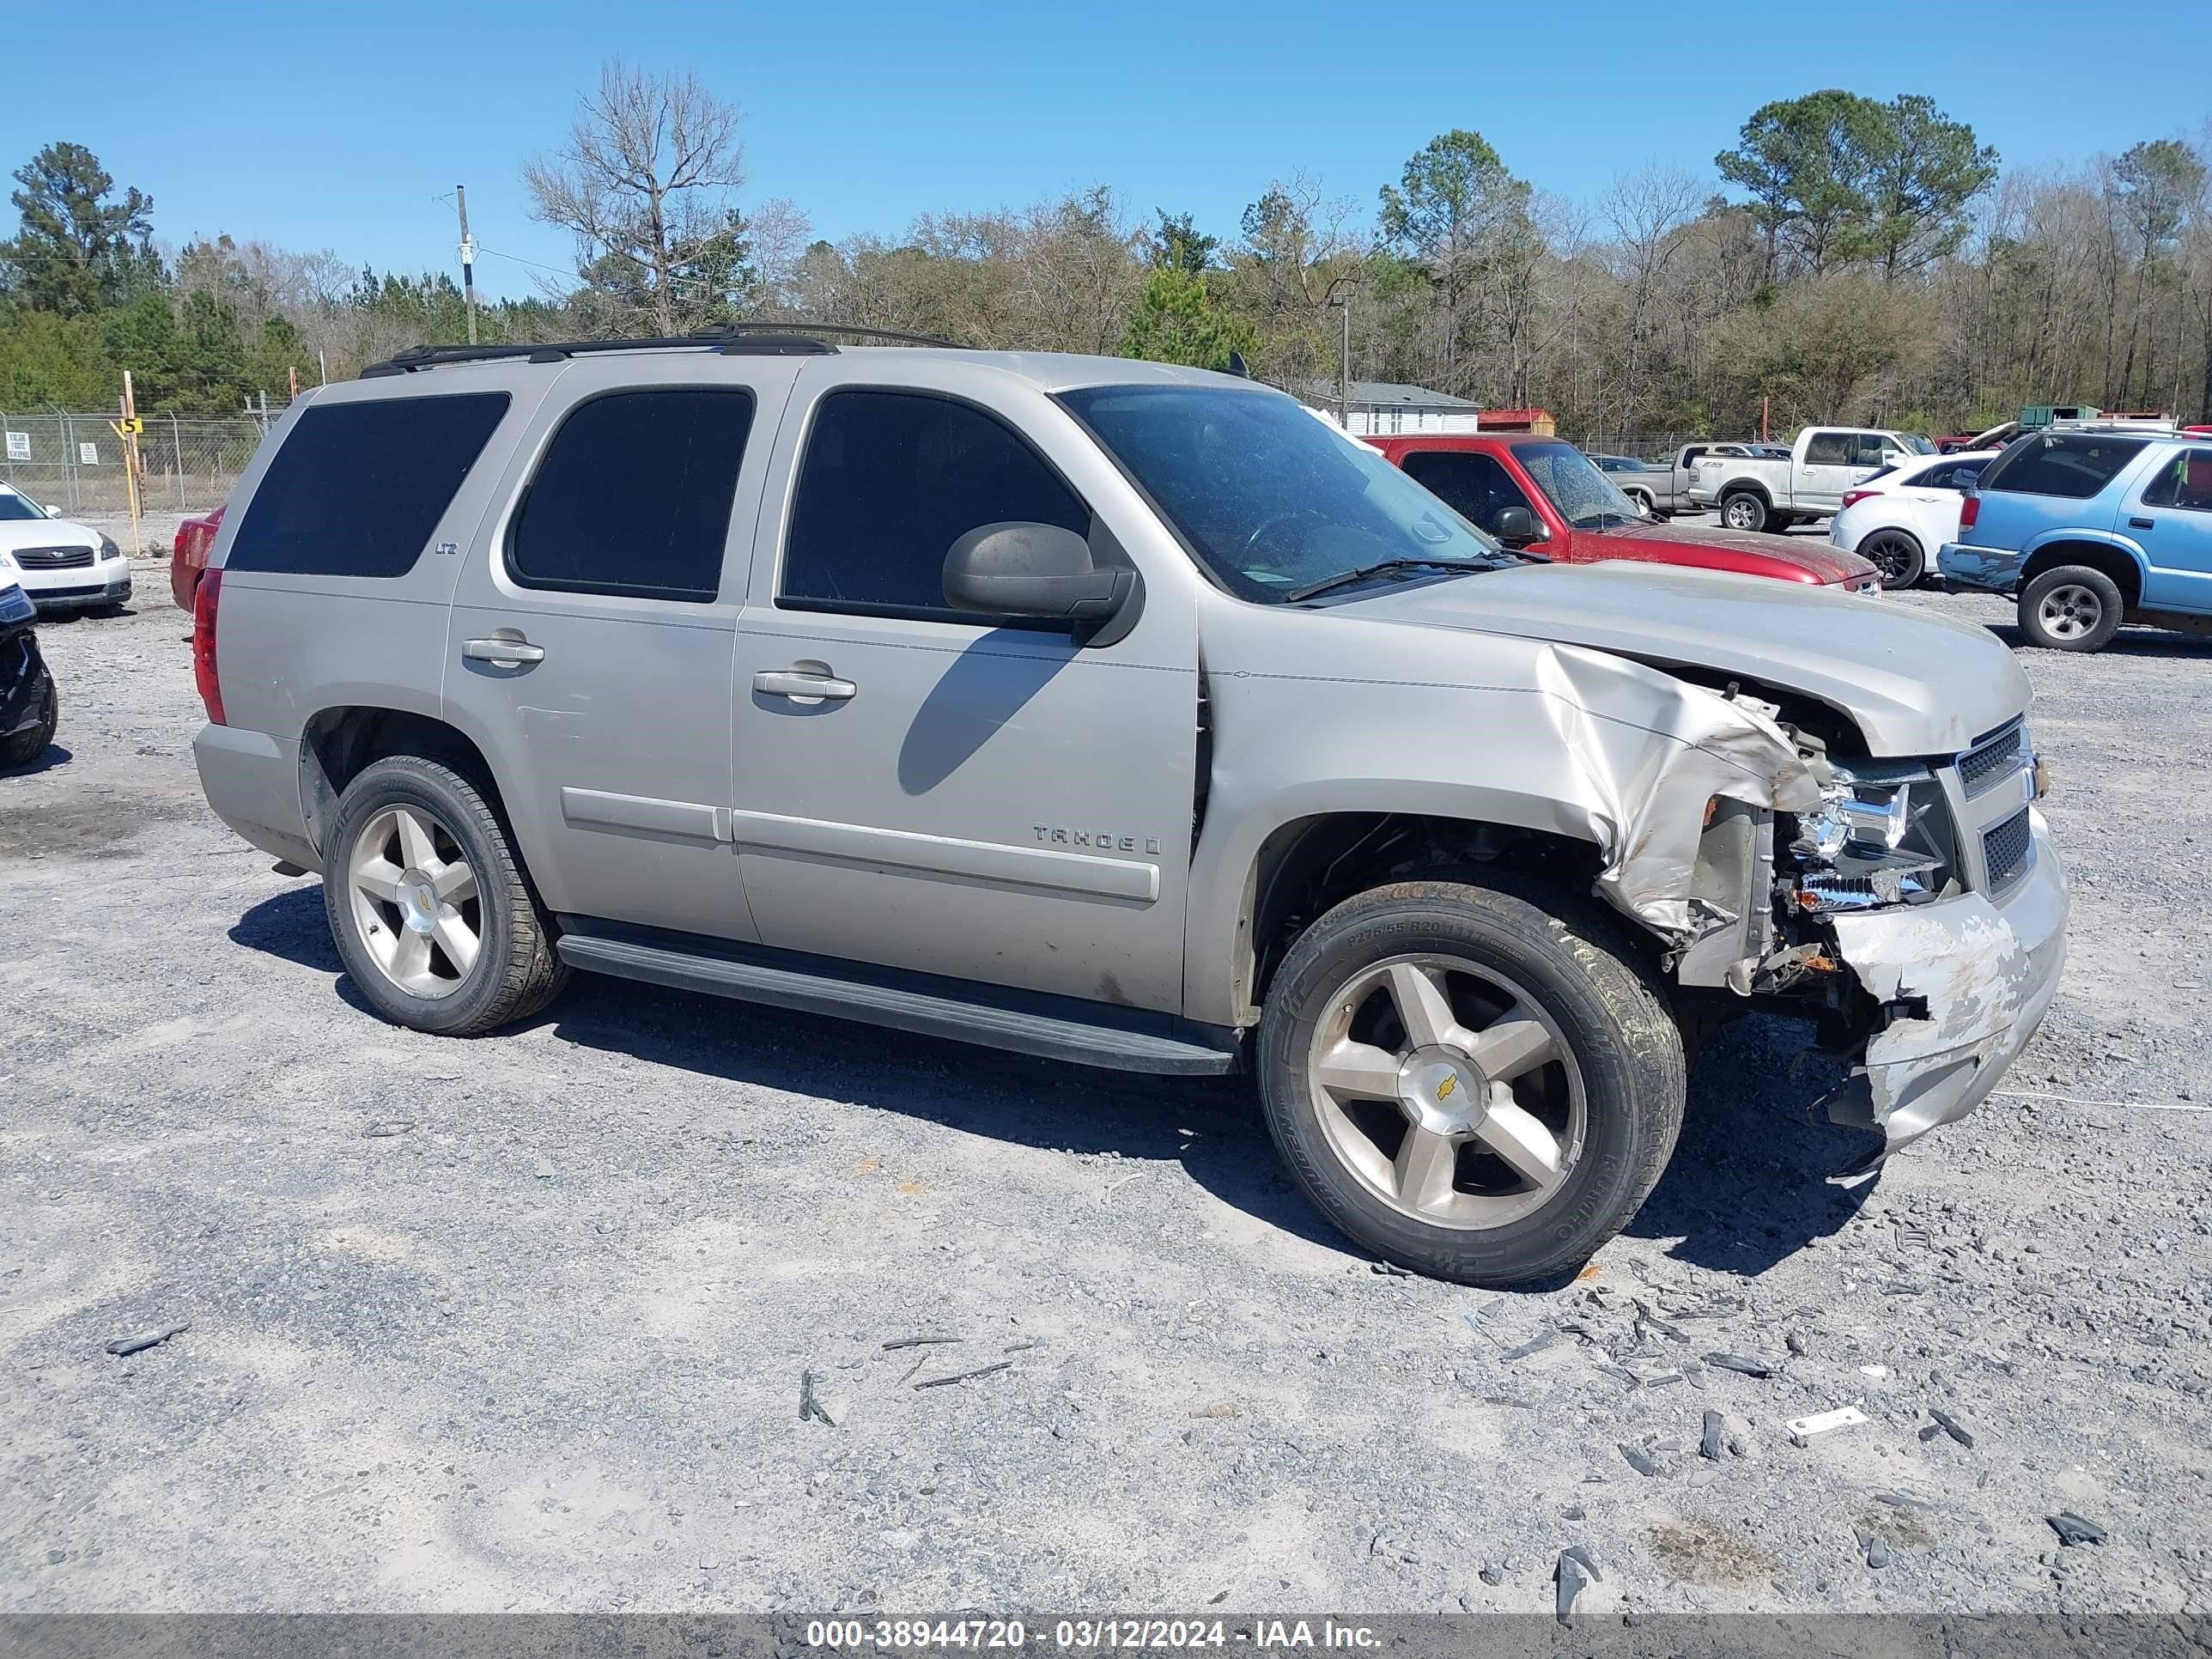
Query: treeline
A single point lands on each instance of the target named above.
(1847, 259)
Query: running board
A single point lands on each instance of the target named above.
(1052, 1035)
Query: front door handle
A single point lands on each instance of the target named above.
(2143, 524)
(804, 682)
(505, 649)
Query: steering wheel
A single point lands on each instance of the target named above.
(1274, 520)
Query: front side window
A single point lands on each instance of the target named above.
(1271, 501)
(1584, 496)
(357, 488)
(2071, 464)
(890, 481)
(2185, 480)
(1474, 485)
(632, 495)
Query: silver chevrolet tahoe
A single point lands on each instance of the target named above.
(1123, 714)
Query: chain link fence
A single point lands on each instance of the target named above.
(75, 461)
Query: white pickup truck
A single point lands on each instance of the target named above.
(1755, 493)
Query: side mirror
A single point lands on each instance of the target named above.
(54, 512)
(1891, 457)
(1022, 569)
(1515, 527)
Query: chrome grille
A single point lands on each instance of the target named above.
(53, 558)
(2005, 851)
(1989, 761)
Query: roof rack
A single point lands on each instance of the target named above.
(730, 339)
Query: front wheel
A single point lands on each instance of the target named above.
(1743, 511)
(2072, 608)
(30, 743)
(1897, 555)
(1469, 1084)
(433, 917)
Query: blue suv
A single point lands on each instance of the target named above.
(2092, 527)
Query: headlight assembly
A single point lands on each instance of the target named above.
(1881, 836)
(108, 550)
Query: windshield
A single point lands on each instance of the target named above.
(1268, 498)
(1585, 497)
(13, 506)
(1918, 442)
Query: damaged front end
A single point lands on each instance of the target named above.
(1914, 909)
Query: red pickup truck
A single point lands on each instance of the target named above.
(1544, 496)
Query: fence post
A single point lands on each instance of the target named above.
(177, 444)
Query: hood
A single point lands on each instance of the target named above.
(45, 532)
(1665, 543)
(1915, 684)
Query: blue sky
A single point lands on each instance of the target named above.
(345, 127)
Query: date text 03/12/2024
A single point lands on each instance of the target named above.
(1081, 1635)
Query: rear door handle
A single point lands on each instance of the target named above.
(805, 682)
(503, 650)
(2143, 524)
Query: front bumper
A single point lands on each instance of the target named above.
(1996, 570)
(1978, 975)
(108, 582)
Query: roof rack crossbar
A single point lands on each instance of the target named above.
(765, 338)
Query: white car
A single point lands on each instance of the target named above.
(1897, 518)
(61, 566)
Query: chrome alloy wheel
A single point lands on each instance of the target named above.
(1447, 1091)
(415, 901)
(2068, 611)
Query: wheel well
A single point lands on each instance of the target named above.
(1306, 867)
(340, 743)
(2097, 555)
(1891, 529)
(1745, 487)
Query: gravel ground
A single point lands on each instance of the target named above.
(523, 1322)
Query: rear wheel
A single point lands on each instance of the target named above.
(434, 916)
(1744, 510)
(2074, 607)
(1897, 554)
(1467, 1084)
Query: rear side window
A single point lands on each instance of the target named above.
(2183, 481)
(890, 482)
(1829, 449)
(357, 488)
(632, 495)
(2075, 464)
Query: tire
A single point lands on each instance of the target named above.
(1743, 509)
(1898, 555)
(2071, 607)
(1552, 990)
(26, 746)
(378, 872)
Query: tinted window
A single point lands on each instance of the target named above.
(2185, 481)
(632, 495)
(1473, 486)
(891, 481)
(2071, 464)
(13, 506)
(357, 488)
(1829, 449)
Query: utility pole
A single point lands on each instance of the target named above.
(468, 260)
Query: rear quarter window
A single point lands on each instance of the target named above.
(357, 488)
(2072, 465)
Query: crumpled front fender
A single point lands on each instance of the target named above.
(1651, 750)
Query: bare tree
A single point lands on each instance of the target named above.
(645, 184)
(1649, 212)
